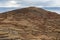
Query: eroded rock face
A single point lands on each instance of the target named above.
(29, 24)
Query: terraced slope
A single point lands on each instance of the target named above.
(29, 24)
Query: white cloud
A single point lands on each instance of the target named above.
(23, 3)
(10, 4)
(36, 0)
(56, 3)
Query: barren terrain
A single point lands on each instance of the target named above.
(29, 24)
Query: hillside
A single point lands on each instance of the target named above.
(30, 23)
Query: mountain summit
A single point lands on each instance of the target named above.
(30, 23)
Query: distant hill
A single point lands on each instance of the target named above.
(30, 23)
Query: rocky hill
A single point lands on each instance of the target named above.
(30, 23)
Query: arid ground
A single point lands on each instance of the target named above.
(30, 23)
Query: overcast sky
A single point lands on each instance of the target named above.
(23, 3)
